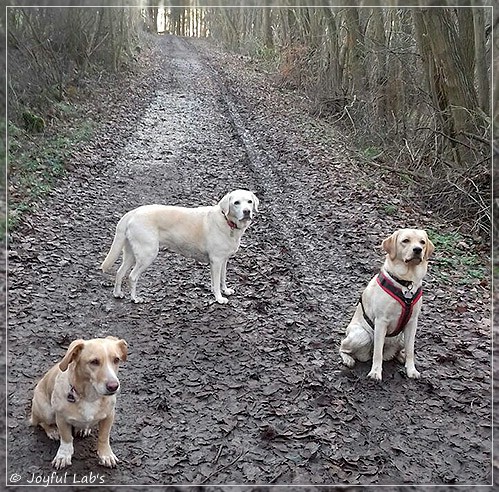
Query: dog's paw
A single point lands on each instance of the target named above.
(61, 461)
(375, 374)
(138, 300)
(222, 300)
(413, 373)
(83, 432)
(108, 459)
(229, 292)
(348, 360)
(401, 356)
(63, 456)
(118, 295)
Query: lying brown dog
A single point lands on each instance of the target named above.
(384, 324)
(80, 391)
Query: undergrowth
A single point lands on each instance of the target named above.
(37, 161)
(457, 262)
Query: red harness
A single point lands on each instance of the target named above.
(406, 302)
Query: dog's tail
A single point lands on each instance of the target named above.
(117, 246)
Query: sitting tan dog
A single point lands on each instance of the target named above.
(207, 234)
(385, 321)
(80, 392)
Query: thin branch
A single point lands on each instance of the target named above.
(225, 467)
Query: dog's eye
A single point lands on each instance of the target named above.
(95, 362)
(250, 201)
(423, 242)
(237, 202)
(116, 360)
(405, 241)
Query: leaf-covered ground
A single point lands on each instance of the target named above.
(252, 392)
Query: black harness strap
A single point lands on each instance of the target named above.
(369, 321)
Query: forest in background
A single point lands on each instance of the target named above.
(409, 87)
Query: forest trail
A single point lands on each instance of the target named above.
(252, 392)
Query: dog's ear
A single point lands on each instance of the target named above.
(390, 245)
(256, 202)
(123, 349)
(224, 203)
(429, 248)
(73, 352)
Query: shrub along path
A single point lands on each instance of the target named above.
(251, 392)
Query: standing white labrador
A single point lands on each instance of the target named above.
(385, 321)
(207, 234)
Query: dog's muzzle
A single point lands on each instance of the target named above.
(417, 255)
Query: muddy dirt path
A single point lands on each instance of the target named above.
(252, 392)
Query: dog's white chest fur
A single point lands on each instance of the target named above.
(88, 413)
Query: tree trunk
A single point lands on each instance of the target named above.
(267, 28)
(354, 63)
(481, 69)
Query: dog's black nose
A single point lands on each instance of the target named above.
(112, 387)
(246, 213)
(417, 250)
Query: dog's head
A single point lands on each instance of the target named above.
(410, 246)
(96, 363)
(239, 205)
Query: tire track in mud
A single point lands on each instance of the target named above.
(261, 165)
(288, 212)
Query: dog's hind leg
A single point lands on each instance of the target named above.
(128, 261)
(51, 431)
(145, 254)
(356, 346)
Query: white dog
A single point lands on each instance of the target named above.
(208, 234)
(385, 321)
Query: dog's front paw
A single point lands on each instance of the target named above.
(108, 459)
(138, 300)
(375, 374)
(118, 295)
(61, 460)
(229, 292)
(413, 373)
(222, 300)
(63, 456)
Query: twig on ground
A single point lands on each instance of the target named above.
(219, 453)
(224, 467)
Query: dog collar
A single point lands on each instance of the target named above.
(406, 300)
(72, 395)
(230, 223)
(405, 283)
